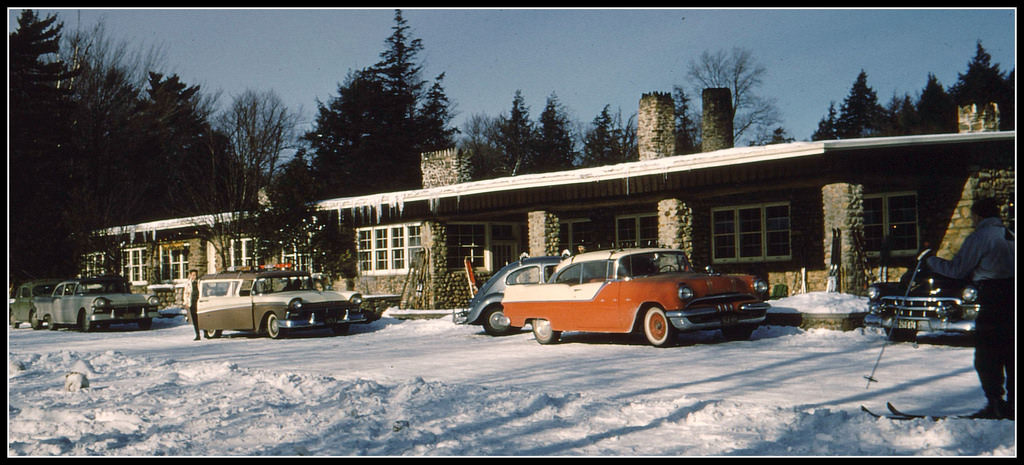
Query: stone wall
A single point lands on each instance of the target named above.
(675, 225)
(656, 126)
(843, 209)
(996, 183)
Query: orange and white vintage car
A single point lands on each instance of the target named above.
(651, 290)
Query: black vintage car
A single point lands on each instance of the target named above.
(922, 301)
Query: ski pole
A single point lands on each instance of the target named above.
(871, 377)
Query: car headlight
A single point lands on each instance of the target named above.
(153, 300)
(685, 293)
(874, 292)
(295, 304)
(969, 294)
(101, 302)
(356, 299)
(760, 286)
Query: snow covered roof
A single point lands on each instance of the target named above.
(395, 201)
(681, 163)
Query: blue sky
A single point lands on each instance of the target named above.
(589, 58)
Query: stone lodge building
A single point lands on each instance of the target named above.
(767, 210)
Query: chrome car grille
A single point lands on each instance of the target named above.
(919, 307)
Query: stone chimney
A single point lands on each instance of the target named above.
(444, 168)
(973, 119)
(655, 132)
(716, 122)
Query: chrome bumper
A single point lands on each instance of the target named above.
(126, 315)
(919, 324)
(715, 317)
(322, 319)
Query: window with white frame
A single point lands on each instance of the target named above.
(135, 264)
(243, 252)
(750, 233)
(173, 261)
(892, 217)
(298, 260)
(387, 249)
(636, 230)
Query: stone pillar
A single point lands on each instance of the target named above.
(716, 120)
(843, 209)
(656, 137)
(434, 237)
(542, 228)
(974, 119)
(675, 225)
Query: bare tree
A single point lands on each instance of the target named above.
(739, 72)
(245, 151)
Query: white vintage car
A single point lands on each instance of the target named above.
(91, 302)
(273, 303)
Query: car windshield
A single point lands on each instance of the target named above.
(107, 286)
(288, 283)
(43, 289)
(652, 263)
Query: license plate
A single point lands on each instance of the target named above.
(906, 324)
(729, 319)
(331, 321)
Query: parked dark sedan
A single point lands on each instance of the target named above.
(922, 301)
(485, 307)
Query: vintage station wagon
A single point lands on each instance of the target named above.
(655, 291)
(273, 303)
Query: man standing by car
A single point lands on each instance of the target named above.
(191, 296)
(986, 258)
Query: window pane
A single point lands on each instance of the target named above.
(626, 232)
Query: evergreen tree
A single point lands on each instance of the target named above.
(899, 118)
(608, 141)
(554, 147)
(435, 116)
(480, 140)
(687, 129)
(827, 125)
(516, 137)
(380, 122)
(860, 112)
(39, 122)
(983, 83)
(935, 109)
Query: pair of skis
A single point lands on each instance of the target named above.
(898, 415)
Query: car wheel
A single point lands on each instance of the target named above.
(211, 333)
(273, 327)
(84, 324)
(495, 323)
(14, 323)
(543, 333)
(145, 324)
(49, 323)
(33, 319)
(738, 332)
(658, 330)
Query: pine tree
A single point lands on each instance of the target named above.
(516, 137)
(554, 148)
(39, 122)
(983, 83)
(860, 112)
(935, 109)
(827, 125)
(687, 130)
(435, 117)
(608, 141)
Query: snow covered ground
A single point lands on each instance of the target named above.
(429, 387)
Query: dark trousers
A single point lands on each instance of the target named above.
(193, 316)
(994, 339)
